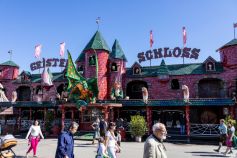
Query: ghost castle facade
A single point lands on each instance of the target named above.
(212, 87)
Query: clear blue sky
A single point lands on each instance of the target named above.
(25, 23)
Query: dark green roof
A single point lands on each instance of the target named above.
(97, 42)
(231, 43)
(175, 70)
(163, 70)
(117, 52)
(9, 63)
(57, 77)
(26, 72)
(193, 102)
(81, 57)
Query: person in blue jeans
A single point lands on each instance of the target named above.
(66, 142)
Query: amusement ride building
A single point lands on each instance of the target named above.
(212, 87)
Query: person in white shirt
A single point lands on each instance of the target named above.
(110, 141)
(34, 135)
(101, 151)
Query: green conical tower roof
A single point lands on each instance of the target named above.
(231, 43)
(117, 52)
(97, 42)
(9, 63)
(163, 69)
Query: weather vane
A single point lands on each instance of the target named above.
(98, 22)
(10, 53)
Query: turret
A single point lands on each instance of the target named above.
(9, 70)
(96, 48)
(117, 65)
(228, 54)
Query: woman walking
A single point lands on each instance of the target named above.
(111, 142)
(96, 128)
(34, 135)
(230, 135)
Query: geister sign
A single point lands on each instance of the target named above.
(167, 52)
(52, 62)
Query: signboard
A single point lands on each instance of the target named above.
(51, 62)
(167, 52)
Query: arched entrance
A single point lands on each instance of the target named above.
(211, 88)
(23, 93)
(134, 89)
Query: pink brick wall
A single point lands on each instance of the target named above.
(90, 71)
(9, 72)
(231, 54)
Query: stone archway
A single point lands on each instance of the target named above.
(23, 93)
(134, 89)
(211, 88)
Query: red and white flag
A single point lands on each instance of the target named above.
(184, 36)
(235, 25)
(62, 49)
(38, 50)
(151, 39)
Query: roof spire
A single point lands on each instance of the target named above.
(98, 22)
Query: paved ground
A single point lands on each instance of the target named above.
(84, 149)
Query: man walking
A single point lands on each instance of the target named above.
(66, 142)
(223, 132)
(154, 147)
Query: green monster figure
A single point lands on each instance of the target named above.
(116, 92)
(81, 90)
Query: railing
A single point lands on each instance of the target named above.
(204, 129)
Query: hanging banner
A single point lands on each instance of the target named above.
(167, 52)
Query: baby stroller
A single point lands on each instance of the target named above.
(6, 143)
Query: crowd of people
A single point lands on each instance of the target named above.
(109, 139)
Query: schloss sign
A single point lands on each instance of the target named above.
(167, 52)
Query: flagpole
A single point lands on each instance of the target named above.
(234, 30)
(150, 59)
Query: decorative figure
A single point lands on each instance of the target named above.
(116, 92)
(3, 97)
(137, 70)
(145, 95)
(209, 66)
(14, 96)
(186, 93)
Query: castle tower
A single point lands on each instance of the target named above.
(117, 65)
(9, 70)
(97, 47)
(228, 54)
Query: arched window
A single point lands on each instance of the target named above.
(175, 84)
(210, 66)
(92, 60)
(114, 67)
(136, 70)
(80, 69)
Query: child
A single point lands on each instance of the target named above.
(118, 138)
(101, 151)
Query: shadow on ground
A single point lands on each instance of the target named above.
(207, 154)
